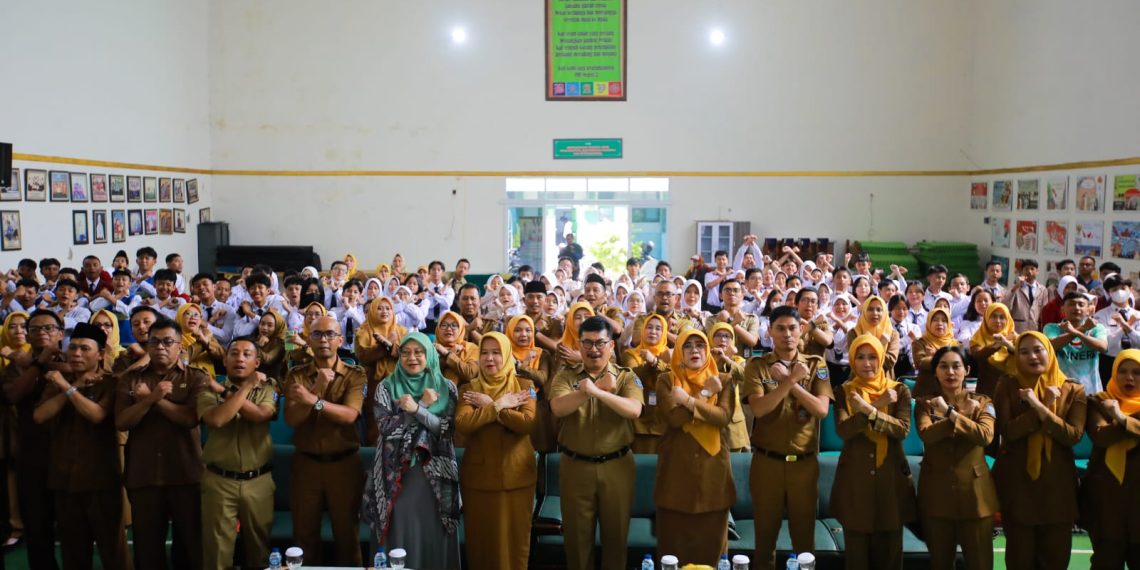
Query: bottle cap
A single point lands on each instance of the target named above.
(740, 559)
(668, 559)
(294, 551)
(399, 552)
(805, 558)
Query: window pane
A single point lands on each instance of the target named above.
(526, 184)
(648, 184)
(608, 184)
(565, 184)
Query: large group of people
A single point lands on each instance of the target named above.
(108, 374)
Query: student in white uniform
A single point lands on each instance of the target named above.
(975, 312)
(1121, 319)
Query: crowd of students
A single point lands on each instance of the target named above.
(110, 372)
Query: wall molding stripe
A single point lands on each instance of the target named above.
(576, 173)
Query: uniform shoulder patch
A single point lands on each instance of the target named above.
(637, 382)
(821, 373)
(990, 410)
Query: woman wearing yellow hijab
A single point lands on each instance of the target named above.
(497, 414)
(875, 321)
(271, 341)
(377, 348)
(992, 348)
(109, 324)
(534, 364)
(199, 347)
(694, 487)
(1111, 503)
(14, 346)
(873, 494)
(458, 358)
(723, 337)
(649, 359)
(570, 346)
(939, 333)
(302, 355)
(1040, 417)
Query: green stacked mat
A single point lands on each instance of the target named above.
(884, 254)
(958, 257)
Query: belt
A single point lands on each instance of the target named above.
(330, 457)
(594, 458)
(241, 475)
(785, 457)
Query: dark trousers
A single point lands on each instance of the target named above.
(152, 510)
(86, 518)
(37, 508)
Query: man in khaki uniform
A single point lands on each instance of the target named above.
(237, 486)
(597, 404)
(594, 293)
(789, 393)
(663, 297)
(323, 400)
(817, 334)
(548, 330)
(746, 326)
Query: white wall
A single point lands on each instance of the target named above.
(364, 85)
(122, 81)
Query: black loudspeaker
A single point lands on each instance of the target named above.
(5, 165)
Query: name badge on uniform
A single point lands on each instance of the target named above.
(364, 390)
(533, 394)
(653, 398)
(769, 382)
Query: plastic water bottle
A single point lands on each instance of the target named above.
(275, 559)
(380, 560)
(647, 563)
(793, 564)
(724, 564)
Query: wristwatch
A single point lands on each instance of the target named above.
(319, 405)
(70, 390)
(705, 394)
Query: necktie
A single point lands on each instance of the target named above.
(1125, 342)
(209, 312)
(348, 333)
(332, 302)
(1029, 291)
(913, 318)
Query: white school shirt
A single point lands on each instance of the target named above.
(412, 316)
(440, 297)
(1115, 331)
(224, 333)
(347, 318)
(246, 326)
(965, 331)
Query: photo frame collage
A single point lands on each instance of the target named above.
(99, 226)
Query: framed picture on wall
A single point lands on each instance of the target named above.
(1089, 193)
(79, 234)
(98, 187)
(1055, 239)
(135, 222)
(204, 215)
(150, 189)
(179, 191)
(99, 226)
(134, 189)
(1088, 237)
(60, 186)
(192, 191)
(164, 191)
(166, 221)
(13, 238)
(179, 221)
(118, 226)
(79, 187)
(11, 193)
(978, 195)
(118, 187)
(151, 221)
(1058, 193)
(35, 185)
(1026, 236)
(1003, 195)
(1125, 193)
(1125, 241)
(1028, 194)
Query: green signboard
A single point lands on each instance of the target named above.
(587, 148)
(585, 50)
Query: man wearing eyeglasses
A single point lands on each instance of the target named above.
(24, 386)
(663, 297)
(323, 398)
(745, 325)
(157, 405)
(597, 404)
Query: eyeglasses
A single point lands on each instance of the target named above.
(733, 290)
(163, 342)
(314, 315)
(43, 328)
(105, 326)
(327, 335)
(448, 326)
(722, 336)
(595, 344)
(412, 354)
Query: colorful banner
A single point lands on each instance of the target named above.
(585, 50)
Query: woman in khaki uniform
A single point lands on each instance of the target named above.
(875, 321)
(992, 348)
(202, 350)
(649, 359)
(534, 364)
(694, 488)
(569, 347)
(1040, 417)
(723, 339)
(271, 344)
(1111, 488)
(302, 354)
(939, 333)
(377, 347)
(498, 473)
(956, 494)
(458, 358)
(873, 493)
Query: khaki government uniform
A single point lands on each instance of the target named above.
(873, 502)
(542, 437)
(1038, 515)
(237, 486)
(956, 494)
(87, 479)
(650, 425)
(693, 490)
(808, 344)
(785, 467)
(750, 323)
(597, 487)
(327, 469)
(890, 353)
(497, 478)
(1110, 508)
(740, 426)
(163, 470)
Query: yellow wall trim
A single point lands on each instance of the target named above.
(581, 173)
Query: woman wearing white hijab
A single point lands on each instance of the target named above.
(369, 294)
(690, 303)
(492, 292)
(408, 314)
